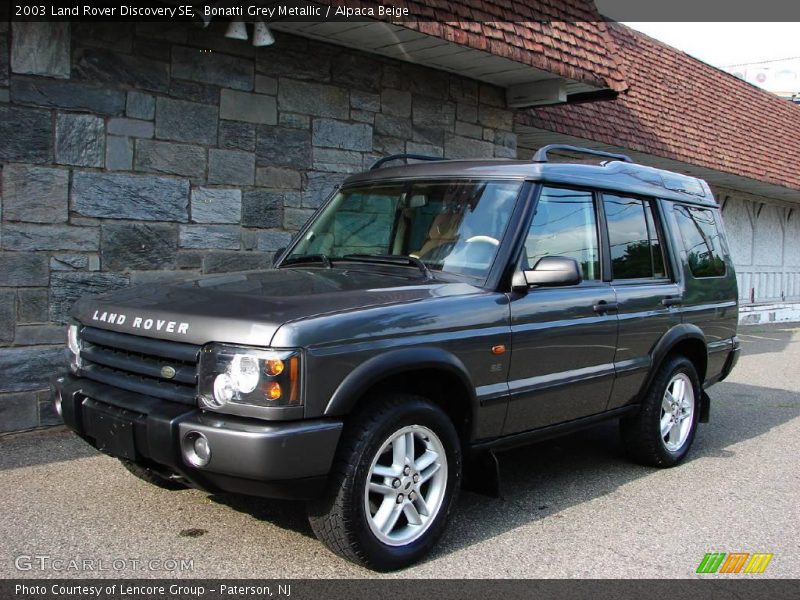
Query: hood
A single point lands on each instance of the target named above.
(248, 308)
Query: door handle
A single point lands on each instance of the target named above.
(672, 301)
(605, 307)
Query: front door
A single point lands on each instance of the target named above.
(563, 338)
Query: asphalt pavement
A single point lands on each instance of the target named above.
(572, 507)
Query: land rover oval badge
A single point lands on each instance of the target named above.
(167, 372)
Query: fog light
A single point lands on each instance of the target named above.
(202, 450)
(196, 449)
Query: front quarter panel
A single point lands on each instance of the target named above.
(451, 330)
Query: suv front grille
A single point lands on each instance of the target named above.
(134, 363)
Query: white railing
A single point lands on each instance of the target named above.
(768, 284)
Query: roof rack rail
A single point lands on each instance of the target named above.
(382, 161)
(541, 153)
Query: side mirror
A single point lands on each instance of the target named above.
(550, 271)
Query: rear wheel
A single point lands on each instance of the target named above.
(662, 432)
(394, 481)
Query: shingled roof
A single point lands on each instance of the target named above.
(565, 37)
(680, 108)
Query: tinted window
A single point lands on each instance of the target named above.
(453, 226)
(701, 240)
(636, 249)
(565, 225)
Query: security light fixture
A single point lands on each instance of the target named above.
(237, 30)
(262, 36)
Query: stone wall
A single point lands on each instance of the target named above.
(137, 153)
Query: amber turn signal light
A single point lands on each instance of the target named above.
(273, 390)
(274, 367)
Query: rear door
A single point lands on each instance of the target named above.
(710, 297)
(563, 338)
(648, 295)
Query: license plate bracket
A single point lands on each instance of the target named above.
(112, 433)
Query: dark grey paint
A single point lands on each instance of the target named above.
(268, 451)
(562, 364)
(245, 453)
(642, 320)
(574, 351)
(248, 308)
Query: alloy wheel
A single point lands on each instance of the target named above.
(406, 485)
(677, 412)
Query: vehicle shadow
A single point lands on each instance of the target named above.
(548, 477)
(285, 514)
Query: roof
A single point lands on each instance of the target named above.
(567, 38)
(613, 176)
(680, 108)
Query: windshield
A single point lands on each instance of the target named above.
(452, 226)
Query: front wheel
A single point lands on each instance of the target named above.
(661, 434)
(393, 484)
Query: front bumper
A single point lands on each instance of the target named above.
(271, 459)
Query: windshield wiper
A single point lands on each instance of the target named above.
(306, 258)
(389, 259)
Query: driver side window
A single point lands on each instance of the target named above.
(565, 225)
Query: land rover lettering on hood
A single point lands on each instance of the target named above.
(138, 322)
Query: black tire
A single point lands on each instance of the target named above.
(151, 476)
(641, 433)
(339, 518)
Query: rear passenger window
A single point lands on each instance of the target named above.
(565, 225)
(636, 248)
(701, 240)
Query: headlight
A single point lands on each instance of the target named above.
(74, 345)
(230, 375)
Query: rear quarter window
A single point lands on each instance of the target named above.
(702, 241)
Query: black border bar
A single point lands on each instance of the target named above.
(397, 11)
(752, 587)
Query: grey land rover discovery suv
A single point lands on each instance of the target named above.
(425, 316)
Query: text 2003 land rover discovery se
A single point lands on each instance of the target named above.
(425, 314)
